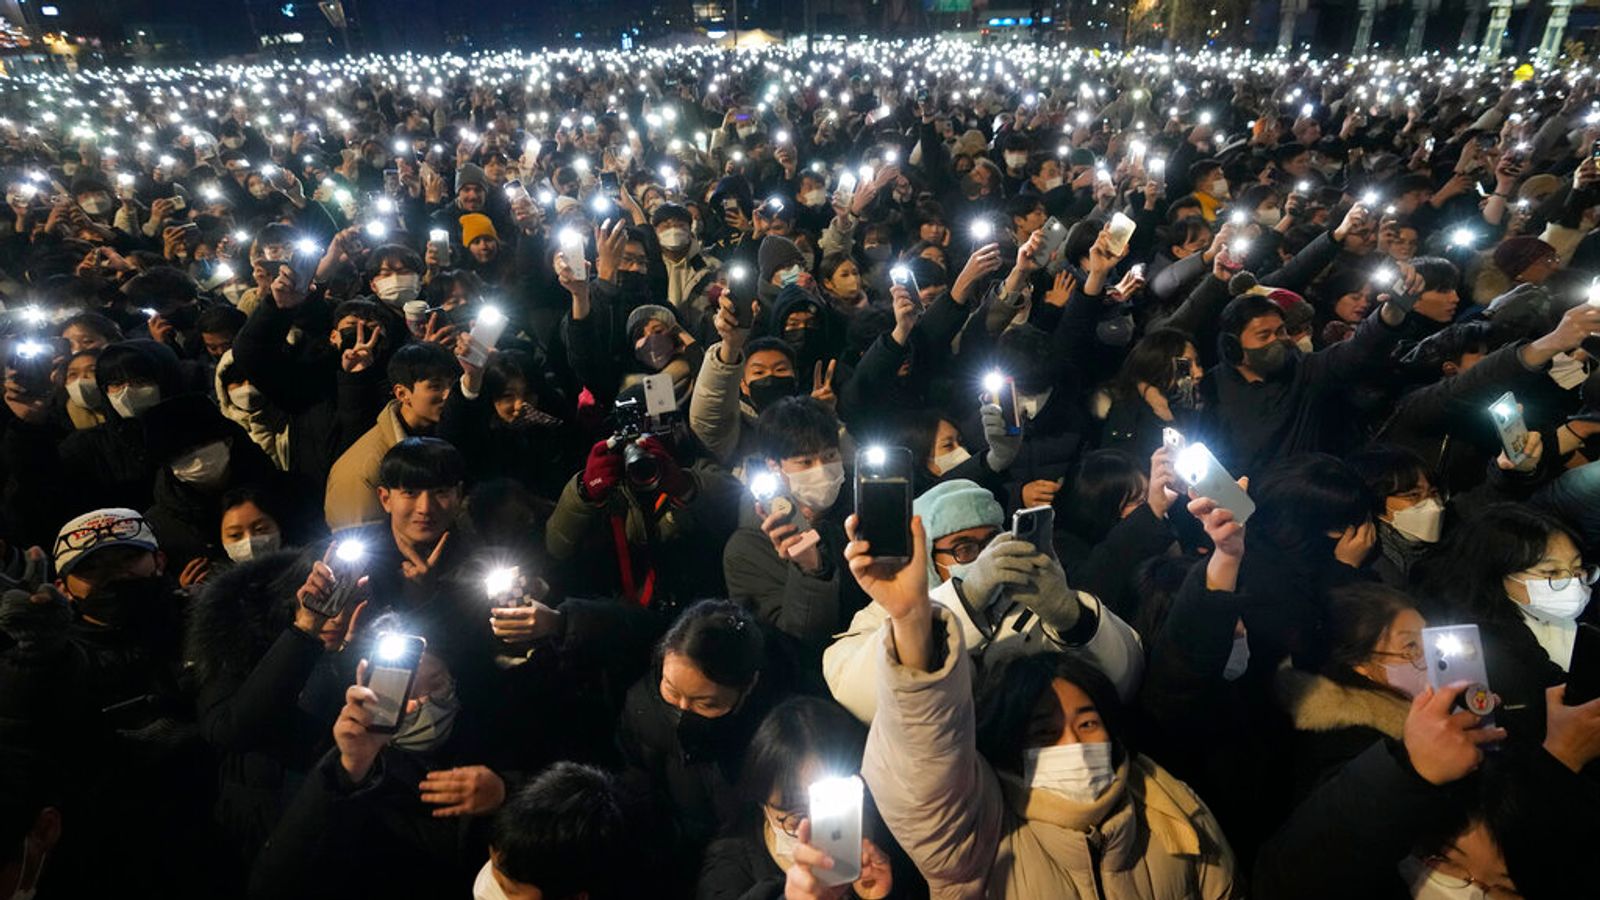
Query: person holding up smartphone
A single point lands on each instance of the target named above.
(1053, 728)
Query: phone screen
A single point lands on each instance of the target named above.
(609, 186)
(391, 684)
(883, 514)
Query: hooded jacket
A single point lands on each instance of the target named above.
(187, 518)
(268, 427)
(974, 831)
(1334, 722)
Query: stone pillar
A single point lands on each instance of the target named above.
(1369, 12)
(1419, 24)
(1554, 28)
(1499, 15)
(1288, 11)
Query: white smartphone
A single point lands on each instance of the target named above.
(1201, 472)
(486, 331)
(1455, 653)
(1172, 438)
(1121, 229)
(1513, 431)
(836, 827)
(659, 399)
(572, 252)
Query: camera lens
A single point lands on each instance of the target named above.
(643, 471)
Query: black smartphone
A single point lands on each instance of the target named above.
(1583, 674)
(883, 501)
(609, 185)
(1594, 150)
(348, 565)
(739, 293)
(391, 673)
(1037, 526)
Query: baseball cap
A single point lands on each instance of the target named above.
(97, 530)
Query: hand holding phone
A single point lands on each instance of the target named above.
(391, 673)
(1036, 525)
(1507, 415)
(1455, 653)
(1206, 477)
(835, 820)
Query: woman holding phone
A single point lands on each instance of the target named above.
(1000, 796)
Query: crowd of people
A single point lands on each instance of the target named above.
(562, 363)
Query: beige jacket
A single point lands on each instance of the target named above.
(352, 496)
(974, 832)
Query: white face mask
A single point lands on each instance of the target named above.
(1079, 772)
(484, 887)
(397, 287)
(1218, 187)
(202, 465)
(1269, 217)
(1238, 659)
(818, 486)
(673, 238)
(1564, 605)
(1016, 160)
(97, 206)
(132, 401)
(84, 393)
(814, 197)
(1051, 184)
(1405, 677)
(1426, 884)
(947, 461)
(1304, 343)
(253, 546)
(1421, 522)
(245, 396)
(783, 844)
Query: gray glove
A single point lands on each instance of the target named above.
(1005, 563)
(1003, 448)
(999, 309)
(36, 627)
(1048, 594)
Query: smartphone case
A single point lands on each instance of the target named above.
(1455, 653)
(1214, 482)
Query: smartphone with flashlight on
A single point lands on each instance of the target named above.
(1199, 469)
(1454, 653)
(391, 674)
(739, 278)
(515, 191)
(348, 565)
(1001, 390)
(835, 807)
(1055, 235)
(1513, 430)
(303, 261)
(767, 487)
(883, 501)
(1583, 674)
(609, 186)
(1037, 526)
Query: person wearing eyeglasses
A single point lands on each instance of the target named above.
(1007, 596)
(1519, 574)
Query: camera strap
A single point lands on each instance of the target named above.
(631, 590)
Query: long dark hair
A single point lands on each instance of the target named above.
(721, 639)
(1302, 498)
(1150, 362)
(1106, 481)
(1463, 580)
(1009, 694)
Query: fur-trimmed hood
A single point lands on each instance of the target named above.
(241, 611)
(1318, 703)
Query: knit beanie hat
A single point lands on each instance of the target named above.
(1516, 254)
(777, 252)
(643, 314)
(471, 173)
(474, 226)
(952, 506)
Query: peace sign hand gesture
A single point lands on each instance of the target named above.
(360, 357)
(822, 384)
(414, 567)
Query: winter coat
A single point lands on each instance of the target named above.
(975, 831)
(1334, 723)
(187, 518)
(352, 494)
(268, 427)
(850, 663)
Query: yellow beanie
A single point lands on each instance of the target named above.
(474, 226)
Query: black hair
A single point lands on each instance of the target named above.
(1080, 237)
(125, 362)
(927, 272)
(220, 319)
(1150, 363)
(1453, 342)
(1389, 470)
(768, 342)
(1242, 310)
(399, 253)
(1300, 499)
(420, 464)
(505, 366)
(798, 728)
(1437, 273)
(563, 832)
(1007, 698)
(1020, 205)
(1462, 580)
(1181, 232)
(266, 501)
(831, 263)
(723, 641)
(1107, 480)
(95, 322)
(1357, 616)
(1036, 164)
(1287, 152)
(422, 361)
(795, 426)
(1201, 167)
(441, 286)
(162, 287)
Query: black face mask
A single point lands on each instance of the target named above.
(702, 737)
(184, 317)
(770, 389)
(633, 285)
(1270, 360)
(138, 605)
(802, 339)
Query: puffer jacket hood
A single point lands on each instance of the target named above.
(241, 611)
